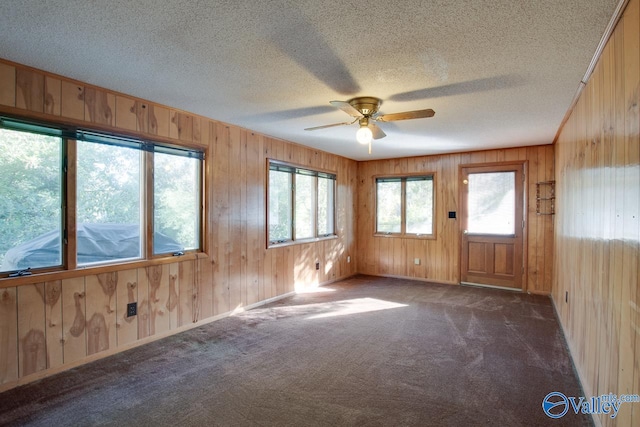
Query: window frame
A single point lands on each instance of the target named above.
(69, 135)
(316, 173)
(403, 205)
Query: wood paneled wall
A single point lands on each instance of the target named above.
(440, 258)
(62, 321)
(53, 321)
(597, 239)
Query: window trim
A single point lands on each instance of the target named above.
(313, 171)
(69, 135)
(403, 225)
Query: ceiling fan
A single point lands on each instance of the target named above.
(364, 109)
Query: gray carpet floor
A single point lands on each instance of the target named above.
(365, 352)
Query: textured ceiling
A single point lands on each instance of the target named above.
(498, 73)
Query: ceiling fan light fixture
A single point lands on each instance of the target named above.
(364, 135)
(364, 110)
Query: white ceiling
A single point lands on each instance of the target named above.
(498, 73)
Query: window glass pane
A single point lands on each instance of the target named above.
(176, 203)
(419, 209)
(280, 205)
(326, 188)
(491, 203)
(108, 203)
(305, 195)
(388, 201)
(30, 200)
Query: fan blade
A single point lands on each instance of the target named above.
(376, 131)
(329, 126)
(347, 108)
(418, 114)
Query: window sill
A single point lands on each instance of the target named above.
(51, 274)
(300, 242)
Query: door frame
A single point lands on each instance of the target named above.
(525, 219)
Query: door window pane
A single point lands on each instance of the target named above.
(176, 200)
(280, 206)
(388, 206)
(419, 200)
(30, 200)
(108, 203)
(305, 195)
(326, 188)
(491, 203)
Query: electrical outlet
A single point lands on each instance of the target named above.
(416, 261)
(317, 266)
(132, 309)
(348, 259)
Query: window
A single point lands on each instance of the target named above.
(491, 203)
(301, 203)
(389, 206)
(326, 197)
(30, 199)
(111, 207)
(177, 202)
(304, 221)
(404, 205)
(108, 203)
(280, 206)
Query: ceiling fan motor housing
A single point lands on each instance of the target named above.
(367, 105)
